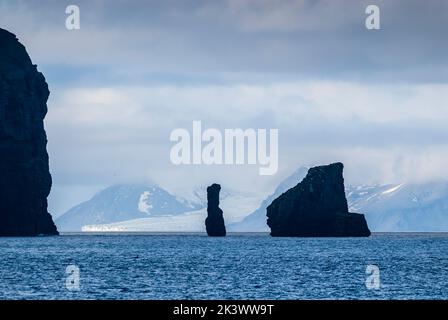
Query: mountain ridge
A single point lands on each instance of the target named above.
(389, 208)
(124, 202)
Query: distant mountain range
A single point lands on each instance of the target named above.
(388, 208)
(402, 207)
(151, 208)
(256, 221)
(122, 203)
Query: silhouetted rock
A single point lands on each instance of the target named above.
(316, 207)
(25, 179)
(214, 222)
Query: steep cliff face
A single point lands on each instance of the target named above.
(316, 207)
(25, 179)
(214, 222)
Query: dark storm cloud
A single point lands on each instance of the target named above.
(294, 38)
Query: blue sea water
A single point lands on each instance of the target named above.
(239, 266)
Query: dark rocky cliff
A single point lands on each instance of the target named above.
(25, 179)
(316, 207)
(214, 222)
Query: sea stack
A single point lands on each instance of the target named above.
(316, 207)
(25, 179)
(214, 222)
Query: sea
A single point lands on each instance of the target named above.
(239, 266)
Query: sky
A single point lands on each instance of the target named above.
(136, 70)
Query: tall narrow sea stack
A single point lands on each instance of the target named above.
(25, 179)
(214, 222)
(316, 207)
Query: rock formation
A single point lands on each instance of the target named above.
(316, 207)
(214, 222)
(25, 179)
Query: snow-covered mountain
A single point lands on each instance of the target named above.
(256, 221)
(234, 204)
(421, 207)
(122, 203)
(402, 207)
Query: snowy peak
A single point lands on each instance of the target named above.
(393, 189)
(389, 207)
(292, 180)
(358, 196)
(124, 202)
(235, 205)
(256, 221)
(402, 207)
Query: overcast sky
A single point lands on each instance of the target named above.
(373, 99)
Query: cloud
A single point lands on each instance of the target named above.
(241, 38)
(110, 134)
(138, 69)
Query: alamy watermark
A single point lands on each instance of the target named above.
(231, 147)
(373, 280)
(73, 20)
(373, 18)
(72, 281)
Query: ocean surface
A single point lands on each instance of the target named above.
(239, 266)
